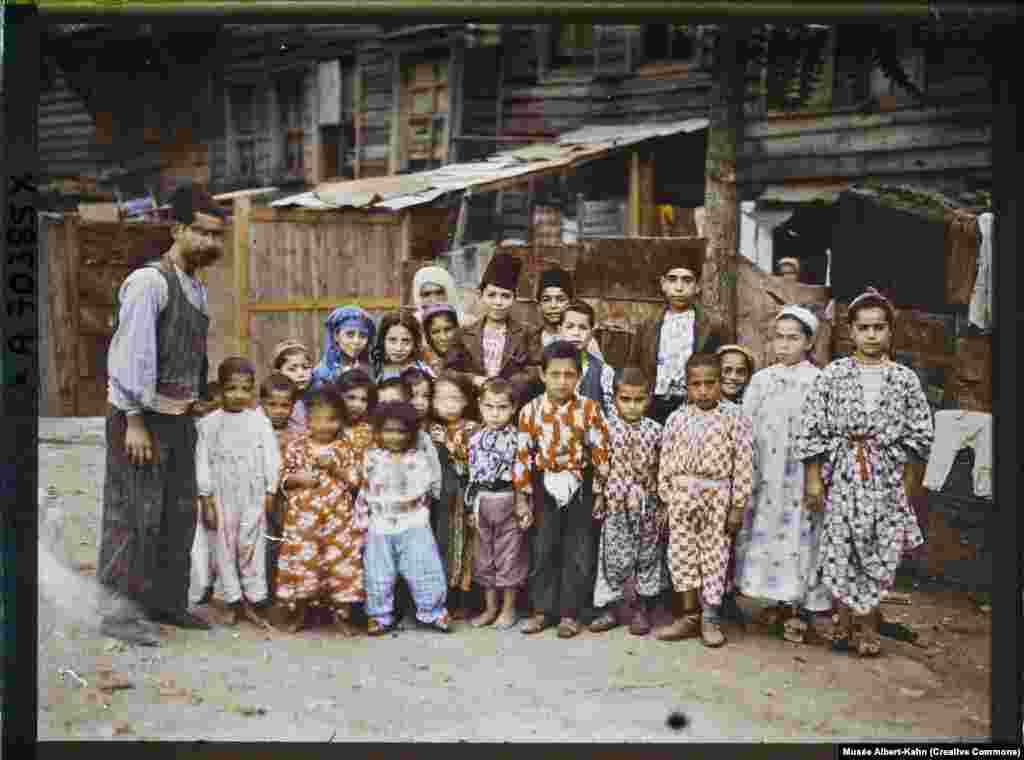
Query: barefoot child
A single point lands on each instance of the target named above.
(277, 396)
(453, 403)
(501, 555)
(560, 473)
(203, 571)
(348, 334)
(633, 518)
(237, 468)
(320, 554)
(398, 346)
(359, 397)
(398, 482)
(864, 421)
(777, 547)
(293, 360)
(598, 379)
(705, 479)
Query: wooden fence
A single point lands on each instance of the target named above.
(282, 272)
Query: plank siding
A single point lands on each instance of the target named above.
(67, 134)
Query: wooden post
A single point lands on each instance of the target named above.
(242, 228)
(74, 325)
(358, 117)
(395, 160)
(61, 247)
(647, 211)
(405, 254)
(719, 278)
(633, 219)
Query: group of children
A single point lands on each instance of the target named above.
(429, 455)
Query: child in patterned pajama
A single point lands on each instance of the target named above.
(633, 518)
(706, 479)
(320, 555)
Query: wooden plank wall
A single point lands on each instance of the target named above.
(304, 259)
(67, 133)
(86, 265)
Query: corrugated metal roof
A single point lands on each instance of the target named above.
(804, 193)
(403, 191)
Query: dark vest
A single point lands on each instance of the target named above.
(590, 384)
(181, 333)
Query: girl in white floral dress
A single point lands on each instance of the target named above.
(777, 546)
(864, 419)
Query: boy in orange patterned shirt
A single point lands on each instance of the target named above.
(559, 476)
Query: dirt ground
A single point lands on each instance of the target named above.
(480, 685)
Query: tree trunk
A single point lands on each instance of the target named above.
(721, 201)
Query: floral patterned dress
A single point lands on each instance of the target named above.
(321, 552)
(868, 522)
(777, 547)
(455, 464)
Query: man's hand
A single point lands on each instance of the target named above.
(138, 444)
(268, 504)
(598, 509)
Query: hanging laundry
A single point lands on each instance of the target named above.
(956, 430)
(980, 310)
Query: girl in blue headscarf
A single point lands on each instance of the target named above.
(348, 334)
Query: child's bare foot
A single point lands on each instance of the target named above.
(485, 618)
(507, 619)
(235, 614)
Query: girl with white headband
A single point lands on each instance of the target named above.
(865, 419)
(777, 546)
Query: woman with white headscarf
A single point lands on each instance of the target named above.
(434, 285)
(777, 547)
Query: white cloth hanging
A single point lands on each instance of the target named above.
(980, 310)
(956, 430)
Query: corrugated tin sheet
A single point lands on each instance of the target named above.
(403, 191)
(829, 193)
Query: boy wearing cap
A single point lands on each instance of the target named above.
(157, 366)
(497, 345)
(662, 346)
(777, 547)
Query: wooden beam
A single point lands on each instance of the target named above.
(322, 304)
(242, 228)
(330, 216)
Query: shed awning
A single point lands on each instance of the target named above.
(803, 193)
(396, 192)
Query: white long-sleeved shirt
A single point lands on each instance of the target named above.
(131, 360)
